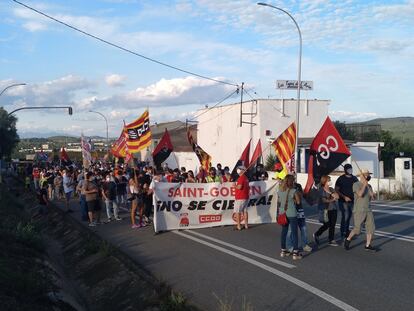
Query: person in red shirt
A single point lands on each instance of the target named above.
(242, 198)
(36, 178)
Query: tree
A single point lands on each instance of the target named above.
(270, 162)
(8, 133)
(343, 131)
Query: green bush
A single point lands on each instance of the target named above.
(270, 162)
(28, 234)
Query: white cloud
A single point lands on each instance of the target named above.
(168, 93)
(34, 26)
(119, 115)
(351, 116)
(397, 11)
(115, 80)
(58, 92)
(181, 91)
(35, 22)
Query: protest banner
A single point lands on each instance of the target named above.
(199, 205)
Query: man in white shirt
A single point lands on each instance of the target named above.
(68, 188)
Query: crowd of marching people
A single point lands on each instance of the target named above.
(130, 189)
(117, 187)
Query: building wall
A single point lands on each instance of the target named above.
(365, 155)
(220, 134)
(188, 160)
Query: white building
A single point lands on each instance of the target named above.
(221, 134)
(366, 155)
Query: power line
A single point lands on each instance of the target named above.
(278, 110)
(122, 48)
(215, 105)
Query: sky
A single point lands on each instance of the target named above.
(359, 54)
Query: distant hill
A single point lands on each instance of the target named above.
(400, 127)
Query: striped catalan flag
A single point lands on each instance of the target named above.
(119, 147)
(285, 144)
(138, 133)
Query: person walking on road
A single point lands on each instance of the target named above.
(328, 200)
(68, 188)
(91, 191)
(82, 198)
(242, 198)
(303, 244)
(109, 197)
(343, 187)
(288, 198)
(135, 190)
(363, 194)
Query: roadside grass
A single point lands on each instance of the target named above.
(170, 300)
(227, 303)
(24, 280)
(27, 280)
(394, 196)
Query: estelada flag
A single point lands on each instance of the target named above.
(203, 157)
(327, 152)
(64, 158)
(86, 151)
(138, 133)
(119, 147)
(242, 161)
(163, 150)
(285, 144)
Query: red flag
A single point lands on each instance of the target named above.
(327, 152)
(243, 160)
(257, 152)
(64, 158)
(128, 157)
(163, 149)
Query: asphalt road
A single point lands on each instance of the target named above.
(219, 267)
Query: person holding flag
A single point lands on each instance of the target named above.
(363, 194)
(242, 198)
(343, 187)
(281, 172)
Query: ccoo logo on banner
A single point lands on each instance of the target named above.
(191, 206)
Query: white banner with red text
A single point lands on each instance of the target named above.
(193, 205)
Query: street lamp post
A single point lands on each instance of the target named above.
(299, 80)
(10, 86)
(69, 108)
(107, 136)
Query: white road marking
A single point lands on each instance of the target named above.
(241, 249)
(396, 236)
(336, 302)
(394, 212)
(403, 206)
